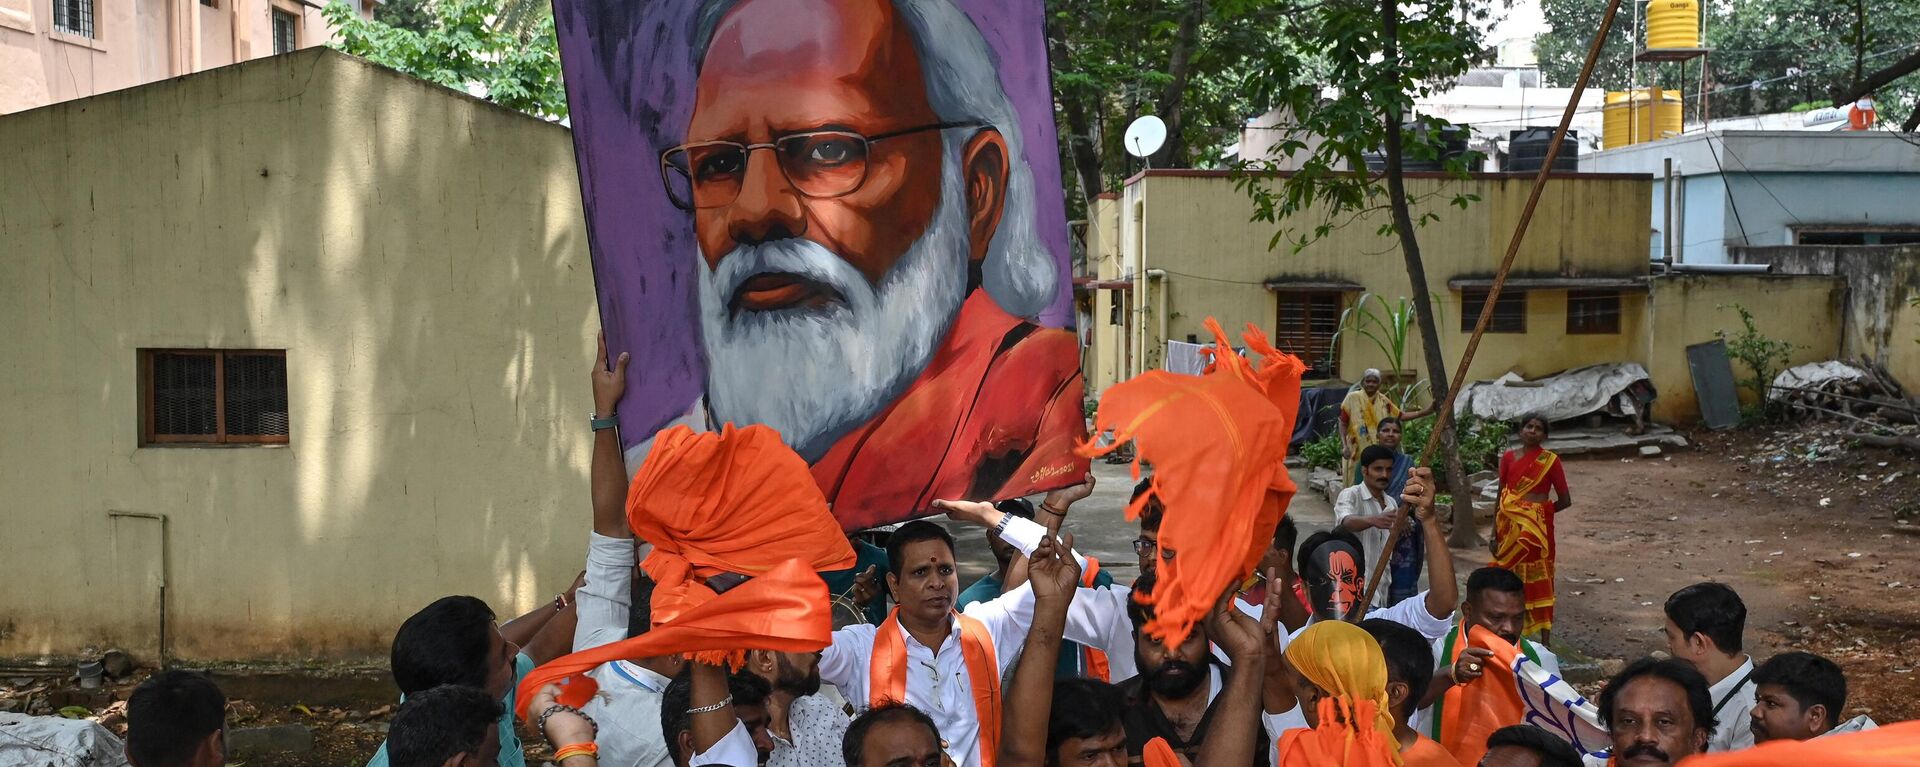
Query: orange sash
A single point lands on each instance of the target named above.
(1471, 712)
(887, 674)
(1093, 663)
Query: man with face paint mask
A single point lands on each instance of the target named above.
(1335, 569)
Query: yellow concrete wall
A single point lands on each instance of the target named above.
(1101, 360)
(420, 255)
(1195, 228)
(1688, 309)
(1903, 347)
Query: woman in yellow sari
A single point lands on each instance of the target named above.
(1360, 416)
(1523, 527)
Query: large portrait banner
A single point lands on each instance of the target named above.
(839, 218)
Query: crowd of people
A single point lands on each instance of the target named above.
(1047, 660)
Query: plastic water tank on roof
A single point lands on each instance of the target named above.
(1673, 24)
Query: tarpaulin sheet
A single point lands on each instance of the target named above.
(1557, 398)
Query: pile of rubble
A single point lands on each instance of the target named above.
(1859, 396)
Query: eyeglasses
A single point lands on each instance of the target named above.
(1144, 547)
(819, 164)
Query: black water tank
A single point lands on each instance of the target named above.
(1527, 150)
(1453, 140)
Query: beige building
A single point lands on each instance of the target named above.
(1176, 246)
(55, 50)
(300, 344)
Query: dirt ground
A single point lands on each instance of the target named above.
(1818, 538)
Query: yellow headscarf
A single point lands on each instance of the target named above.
(1346, 662)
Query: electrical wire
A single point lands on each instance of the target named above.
(1730, 196)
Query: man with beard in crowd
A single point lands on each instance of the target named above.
(882, 256)
(1800, 696)
(806, 727)
(1174, 696)
(1658, 713)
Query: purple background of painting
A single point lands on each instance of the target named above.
(644, 254)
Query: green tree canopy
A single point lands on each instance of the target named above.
(461, 47)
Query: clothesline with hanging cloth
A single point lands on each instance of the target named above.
(1445, 416)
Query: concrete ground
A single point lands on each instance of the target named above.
(1101, 530)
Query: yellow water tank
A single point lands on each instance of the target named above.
(1616, 127)
(1673, 24)
(1657, 115)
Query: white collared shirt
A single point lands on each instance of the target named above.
(627, 706)
(1358, 501)
(937, 681)
(1733, 728)
(735, 749)
(1104, 608)
(816, 724)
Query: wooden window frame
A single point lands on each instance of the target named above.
(220, 437)
(1282, 298)
(1472, 300)
(1592, 327)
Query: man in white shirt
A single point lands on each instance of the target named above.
(935, 645)
(1705, 624)
(1801, 696)
(1366, 511)
(613, 604)
(805, 726)
(1496, 601)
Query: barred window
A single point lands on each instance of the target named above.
(1307, 325)
(1593, 312)
(286, 36)
(1509, 311)
(73, 17)
(213, 397)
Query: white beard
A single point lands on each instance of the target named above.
(816, 373)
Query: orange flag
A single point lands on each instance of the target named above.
(1895, 745)
(738, 501)
(1469, 713)
(1218, 443)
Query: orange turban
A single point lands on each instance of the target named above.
(1895, 745)
(738, 501)
(1356, 724)
(1218, 443)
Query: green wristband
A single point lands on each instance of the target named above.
(602, 423)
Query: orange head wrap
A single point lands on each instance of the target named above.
(1218, 443)
(738, 501)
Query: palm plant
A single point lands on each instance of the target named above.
(1390, 328)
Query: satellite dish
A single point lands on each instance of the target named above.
(1145, 136)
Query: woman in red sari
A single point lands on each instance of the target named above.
(1523, 527)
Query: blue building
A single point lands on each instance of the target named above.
(1741, 188)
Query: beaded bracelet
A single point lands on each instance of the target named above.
(564, 707)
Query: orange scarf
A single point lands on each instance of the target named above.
(887, 674)
(1218, 443)
(1895, 745)
(735, 501)
(1093, 663)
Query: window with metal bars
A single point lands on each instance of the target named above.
(213, 397)
(1593, 312)
(73, 17)
(1509, 313)
(1306, 325)
(286, 36)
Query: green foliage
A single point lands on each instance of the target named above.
(1377, 79)
(1763, 355)
(1389, 327)
(1322, 453)
(411, 15)
(1481, 441)
(1194, 63)
(1764, 41)
(461, 48)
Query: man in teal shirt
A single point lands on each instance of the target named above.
(456, 641)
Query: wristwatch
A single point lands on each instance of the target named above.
(601, 423)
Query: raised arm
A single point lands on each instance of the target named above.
(1029, 699)
(1234, 737)
(609, 470)
(555, 636)
(1442, 591)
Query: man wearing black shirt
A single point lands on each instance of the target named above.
(1173, 697)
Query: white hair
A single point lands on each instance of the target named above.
(962, 79)
(1371, 373)
(816, 373)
